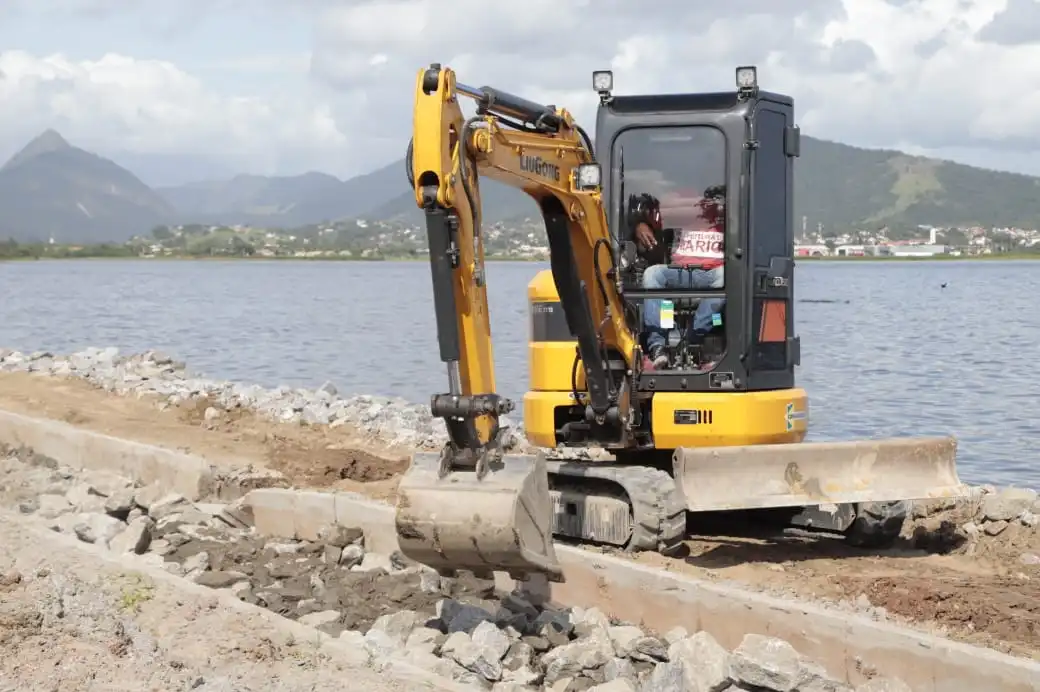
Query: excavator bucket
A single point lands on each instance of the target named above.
(502, 522)
(800, 474)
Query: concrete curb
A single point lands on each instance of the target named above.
(848, 645)
(341, 651)
(191, 476)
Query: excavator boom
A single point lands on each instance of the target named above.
(471, 506)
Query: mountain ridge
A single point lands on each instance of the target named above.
(51, 188)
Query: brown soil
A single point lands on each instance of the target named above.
(980, 593)
(339, 458)
(977, 592)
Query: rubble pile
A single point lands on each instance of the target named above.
(459, 628)
(990, 518)
(391, 421)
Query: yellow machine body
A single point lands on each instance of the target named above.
(670, 447)
(725, 418)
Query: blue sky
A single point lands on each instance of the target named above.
(190, 89)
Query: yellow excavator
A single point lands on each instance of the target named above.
(679, 399)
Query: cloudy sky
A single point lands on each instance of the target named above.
(186, 88)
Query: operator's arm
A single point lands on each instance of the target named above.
(645, 237)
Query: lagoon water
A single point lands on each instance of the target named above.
(895, 354)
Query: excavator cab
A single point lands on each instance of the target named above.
(661, 335)
(717, 286)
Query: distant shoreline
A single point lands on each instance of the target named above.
(940, 258)
(224, 258)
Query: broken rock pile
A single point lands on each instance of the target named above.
(992, 518)
(459, 628)
(393, 421)
(390, 421)
(512, 646)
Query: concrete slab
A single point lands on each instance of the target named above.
(187, 474)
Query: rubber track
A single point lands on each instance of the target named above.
(658, 509)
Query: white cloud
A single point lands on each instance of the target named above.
(121, 103)
(946, 77)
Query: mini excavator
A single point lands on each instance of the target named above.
(719, 426)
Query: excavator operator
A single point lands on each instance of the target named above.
(696, 262)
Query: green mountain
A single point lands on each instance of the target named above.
(282, 201)
(51, 189)
(845, 188)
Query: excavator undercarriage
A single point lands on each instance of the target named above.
(621, 446)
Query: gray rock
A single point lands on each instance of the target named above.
(351, 556)
(704, 662)
(319, 619)
(518, 604)
(591, 652)
(461, 617)
(135, 538)
(767, 662)
(623, 638)
(618, 668)
(180, 521)
(238, 514)
(373, 561)
(85, 498)
(489, 636)
(397, 626)
(553, 625)
(587, 621)
(120, 502)
(429, 581)
(667, 677)
(98, 528)
(995, 528)
(171, 503)
(50, 506)
(195, 565)
(220, 579)
(817, 680)
(425, 638)
(1029, 519)
(1007, 504)
(150, 494)
(477, 658)
(331, 555)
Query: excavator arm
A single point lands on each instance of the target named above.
(471, 506)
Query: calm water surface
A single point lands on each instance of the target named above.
(903, 356)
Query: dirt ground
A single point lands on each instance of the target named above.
(70, 620)
(982, 592)
(310, 457)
